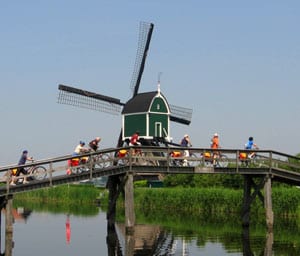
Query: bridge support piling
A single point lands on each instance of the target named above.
(251, 190)
(129, 204)
(268, 204)
(113, 194)
(246, 201)
(9, 227)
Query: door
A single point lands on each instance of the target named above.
(158, 129)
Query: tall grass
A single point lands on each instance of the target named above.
(83, 194)
(76, 199)
(195, 201)
(192, 201)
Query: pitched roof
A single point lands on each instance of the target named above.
(140, 103)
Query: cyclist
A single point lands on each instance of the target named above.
(77, 151)
(80, 149)
(134, 140)
(94, 143)
(24, 157)
(250, 145)
(215, 145)
(186, 142)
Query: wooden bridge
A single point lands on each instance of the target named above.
(124, 165)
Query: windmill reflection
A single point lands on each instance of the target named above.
(145, 240)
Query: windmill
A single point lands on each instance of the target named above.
(85, 99)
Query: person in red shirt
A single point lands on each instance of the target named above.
(134, 140)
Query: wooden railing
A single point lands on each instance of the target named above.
(161, 160)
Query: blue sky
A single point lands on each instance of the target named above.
(235, 63)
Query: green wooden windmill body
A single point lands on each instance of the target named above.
(149, 113)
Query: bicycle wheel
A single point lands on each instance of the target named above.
(175, 162)
(148, 159)
(195, 161)
(123, 160)
(222, 161)
(259, 162)
(39, 172)
(103, 161)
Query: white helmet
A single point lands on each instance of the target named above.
(216, 135)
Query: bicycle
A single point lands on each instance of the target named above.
(250, 158)
(214, 159)
(33, 173)
(138, 157)
(177, 159)
(102, 161)
(77, 165)
(81, 164)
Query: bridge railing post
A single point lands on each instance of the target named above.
(50, 173)
(237, 160)
(168, 159)
(91, 165)
(130, 160)
(270, 161)
(8, 179)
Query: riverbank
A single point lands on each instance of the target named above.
(189, 201)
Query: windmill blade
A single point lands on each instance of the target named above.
(85, 99)
(143, 47)
(180, 115)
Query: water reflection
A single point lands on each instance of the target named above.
(21, 214)
(168, 236)
(68, 230)
(156, 241)
(144, 240)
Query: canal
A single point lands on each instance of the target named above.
(46, 232)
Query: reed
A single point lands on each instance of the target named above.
(81, 194)
(196, 201)
(178, 200)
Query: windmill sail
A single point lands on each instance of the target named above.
(143, 47)
(145, 35)
(180, 115)
(80, 98)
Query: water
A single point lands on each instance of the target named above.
(45, 233)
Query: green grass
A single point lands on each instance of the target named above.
(75, 199)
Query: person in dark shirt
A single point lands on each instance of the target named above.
(94, 143)
(186, 142)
